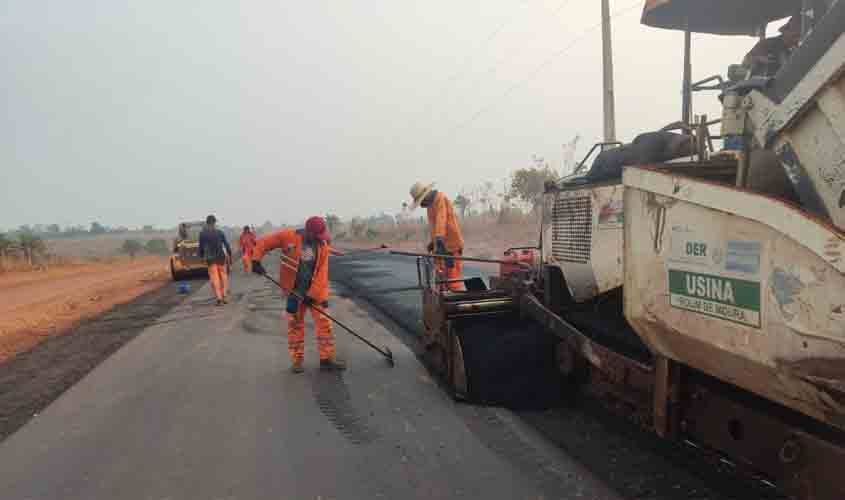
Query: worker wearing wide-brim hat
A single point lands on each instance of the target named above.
(304, 274)
(446, 238)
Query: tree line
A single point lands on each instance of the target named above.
(55, 231)
(518, 196)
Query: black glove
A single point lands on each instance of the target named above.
(293, 304)
(440, 246)
(257, 268)
(308, 301)
(430, 248)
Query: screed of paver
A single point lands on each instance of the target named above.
(208, 409)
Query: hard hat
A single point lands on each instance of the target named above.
(418, 193)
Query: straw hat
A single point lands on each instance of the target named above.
(418, 192)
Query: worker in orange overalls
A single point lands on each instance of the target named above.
(217, 253)
(446, 236)
(304, 274)
(247, 243)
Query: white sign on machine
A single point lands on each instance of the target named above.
(714, 276)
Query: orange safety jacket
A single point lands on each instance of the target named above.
(444, 223)
(247, 243)
(290, 242)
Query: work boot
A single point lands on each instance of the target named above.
(332, 364)
(219, 302)
(296, 367)
(225, 300)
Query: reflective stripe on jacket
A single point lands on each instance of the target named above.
(289, 241)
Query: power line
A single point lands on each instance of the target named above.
(499, 62)
(535, 72)
(464, 66)
(509, 57)
(555, 13)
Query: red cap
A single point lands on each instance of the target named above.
(316, 228)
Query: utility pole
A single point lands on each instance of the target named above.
(607, 66)
(686, 102)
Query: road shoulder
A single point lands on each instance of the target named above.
(33, 379)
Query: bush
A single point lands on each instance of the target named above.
(31, 244)
(131, 247)
(357, 227)
(510, 214)
(157, 246)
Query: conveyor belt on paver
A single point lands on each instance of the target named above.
(611, 331)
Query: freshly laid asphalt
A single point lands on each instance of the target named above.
(205, 408)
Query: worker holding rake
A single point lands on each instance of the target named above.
(446, 236)
(304, 274)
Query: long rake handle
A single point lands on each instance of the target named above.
(336, 321)
(460, 257)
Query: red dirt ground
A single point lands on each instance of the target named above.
(40, 304)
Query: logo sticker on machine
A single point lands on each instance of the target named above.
(611, 215)
(715, 277)
(743, 257)
(727, 298)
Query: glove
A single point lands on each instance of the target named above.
(293, 304)
(440, 246)
(257, 268)
(308, 301)
(450, 263)
(430, 248)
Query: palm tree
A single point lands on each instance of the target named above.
(31, 244)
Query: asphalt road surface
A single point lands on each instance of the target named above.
(202, 406)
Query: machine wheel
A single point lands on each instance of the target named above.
(177, 275)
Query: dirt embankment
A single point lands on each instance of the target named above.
(37, 305)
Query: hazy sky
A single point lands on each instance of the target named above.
(151, 112)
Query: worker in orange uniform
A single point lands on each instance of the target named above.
(446, 236)
(217, 253)
(247, 243)
(304, 274)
